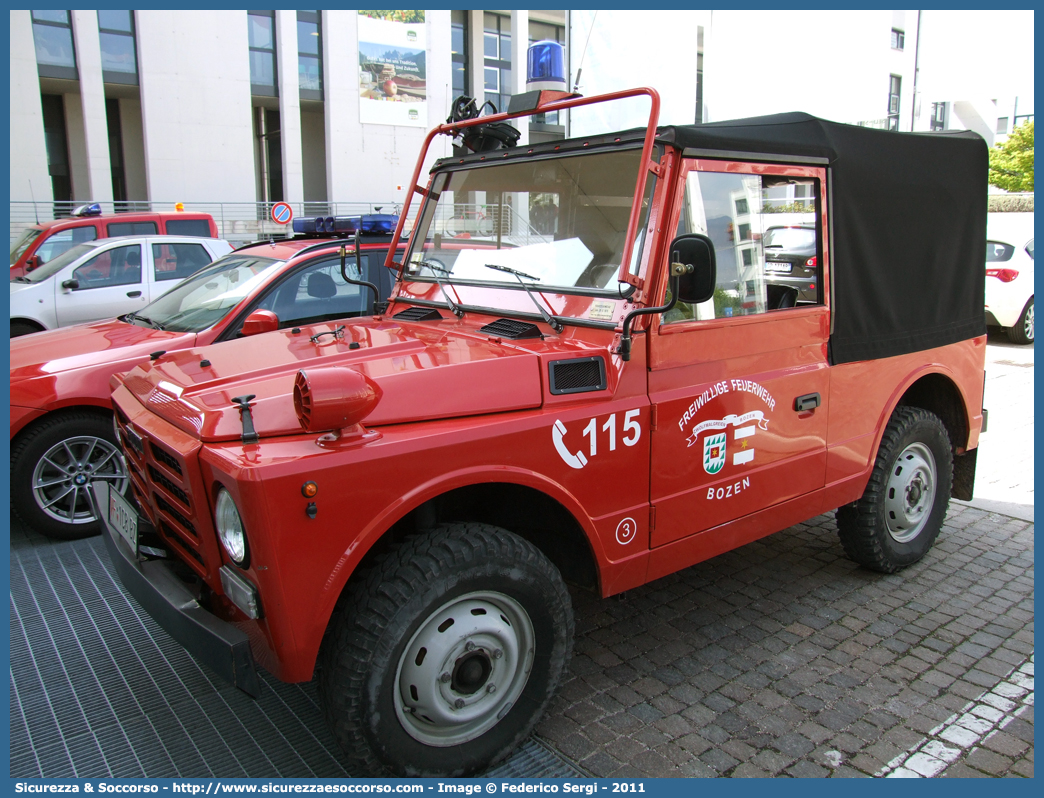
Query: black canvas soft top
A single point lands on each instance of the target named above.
(908, 225)
(907, 220)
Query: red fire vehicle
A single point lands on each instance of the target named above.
(397, 502)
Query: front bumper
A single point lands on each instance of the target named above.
(216, 643)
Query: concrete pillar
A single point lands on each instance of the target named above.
(519, 63)
(79, 171)
(476, 56)
(341, 93)
(92, 95)
(289, 106)
(28, 150)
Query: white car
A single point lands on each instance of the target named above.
(1009, 288)
(105, 278)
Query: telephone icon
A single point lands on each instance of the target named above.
(572, 460)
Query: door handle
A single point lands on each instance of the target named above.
(810, 401)
(134, 294)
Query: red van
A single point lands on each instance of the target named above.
(46, 240)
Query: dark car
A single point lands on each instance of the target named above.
(791, 268)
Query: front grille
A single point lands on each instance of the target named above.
(167, 459)
(510, 328)
(173, 512)
(577, 375)
(173, 489)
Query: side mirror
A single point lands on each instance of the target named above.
(32, 262)
(71, 285)
(260, 321)
(693, 261)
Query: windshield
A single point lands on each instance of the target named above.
(789, 238)
(22, 243)
(206, 297)
(59, 263)
(562, 221)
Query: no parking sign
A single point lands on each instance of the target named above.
(282, 213)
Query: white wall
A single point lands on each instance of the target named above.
(28, 152)
(195, 105)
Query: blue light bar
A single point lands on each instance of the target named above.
(371, 224)
(88, 210)
(545, 67)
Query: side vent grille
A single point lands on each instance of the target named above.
(418, 314)
(578, 375)
(509, 328)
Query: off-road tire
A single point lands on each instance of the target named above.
(36, 441)
(23, 328)
(863, 525)
(384, 612)
(1022, 332)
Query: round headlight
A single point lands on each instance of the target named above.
(230, 528)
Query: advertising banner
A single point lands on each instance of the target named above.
(393, 68)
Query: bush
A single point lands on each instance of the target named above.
(1010, 203)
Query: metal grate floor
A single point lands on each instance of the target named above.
(99, 690)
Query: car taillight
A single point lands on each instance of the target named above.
(1004, 275)
(811, 262)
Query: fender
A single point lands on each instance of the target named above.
(475, 475)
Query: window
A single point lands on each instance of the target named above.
(178, 261)
(497, 60)
(261, 39)
(895, 83)
(310, 54)
(63, 241)
(996, 252)
(765, 233)
(188, 227)
(55, 54)
(112, 121)
(318, 293)
(459, 47)
(117, 266)
(55, 140)
(119, 60)
(898, 39)
(130, 229)
(1002, 125)
(938, 121)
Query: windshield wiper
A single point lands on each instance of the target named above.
(435, 268)
(20, 279)
(552, 321)
(146, 319)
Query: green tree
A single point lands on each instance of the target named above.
(1011, 163)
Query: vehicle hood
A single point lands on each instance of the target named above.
(22, 292)
(109, 346)
(422, 372)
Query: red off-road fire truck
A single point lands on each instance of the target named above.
(600, 388)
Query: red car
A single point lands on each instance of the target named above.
(61, 418)
(45, 241)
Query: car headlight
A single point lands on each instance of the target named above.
(230, 528)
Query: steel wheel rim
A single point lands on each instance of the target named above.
(456, 680)
(64, 474)
(910, 493)
(1027, 325)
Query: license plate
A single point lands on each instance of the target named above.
(124, 518)
(777, 266)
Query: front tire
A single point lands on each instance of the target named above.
(52, 466)
(1022, 332)
(441, 661)
(901, 511)
(19, 328)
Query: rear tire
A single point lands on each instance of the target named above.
(1022, 332)
(901, 511)
(404, 695)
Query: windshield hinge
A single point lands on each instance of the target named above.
(655, 168)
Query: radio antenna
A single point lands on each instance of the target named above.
(583, 55)
(31, 194)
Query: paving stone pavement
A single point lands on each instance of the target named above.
(784, 658)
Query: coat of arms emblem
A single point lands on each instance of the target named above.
(714, 453)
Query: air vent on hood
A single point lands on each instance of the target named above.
(577, 375)
(509, 328)
(418, 314)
